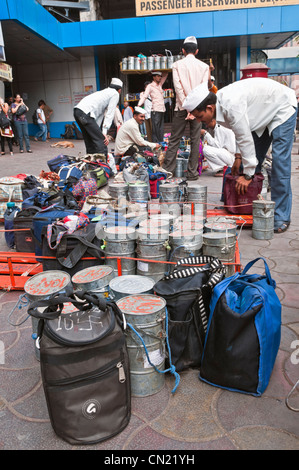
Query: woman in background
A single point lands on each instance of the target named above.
(19, 110)
(6, 132)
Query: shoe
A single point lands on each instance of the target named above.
(283, 228)
(21, 151)
(192, 178)
(29, 151)
(205, 167)
(2, 153)
(35, 139)
(11, 153)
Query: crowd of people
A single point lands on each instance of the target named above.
(234, 125)
(14, 123)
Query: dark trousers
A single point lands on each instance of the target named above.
(148, 126)
(157, 118)
(177, 131)
(92, 134)
(9, 143)
(282, 142)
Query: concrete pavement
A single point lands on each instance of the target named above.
(197, 416)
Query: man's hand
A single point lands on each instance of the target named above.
(189, 117)
(242, 185)
(157, 146)
(106, 140)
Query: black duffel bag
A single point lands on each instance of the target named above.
(84, 367)
(23, 226)
(188, 291)
(73, 251)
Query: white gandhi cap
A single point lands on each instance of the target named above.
(139, 110)
(117, 82)
(196, 96)
(191, 39)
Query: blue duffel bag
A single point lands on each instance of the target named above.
(46, 217)
(55, 163)
(243, 334)
(68, 173)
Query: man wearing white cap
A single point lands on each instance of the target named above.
(155, 91)
(187, 73)
(259, 111)
(129, 139)
(94, 115)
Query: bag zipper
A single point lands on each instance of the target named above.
(86, 377)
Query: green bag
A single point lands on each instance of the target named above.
(100, 176)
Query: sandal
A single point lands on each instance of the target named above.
(283, 228)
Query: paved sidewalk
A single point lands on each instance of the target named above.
(197, 416)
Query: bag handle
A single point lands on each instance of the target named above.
(219, 289)
(78, 251)
(267, 270)
(222, 286)
(86, 301)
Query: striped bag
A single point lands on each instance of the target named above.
(187, 291)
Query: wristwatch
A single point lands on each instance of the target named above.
(248, 177)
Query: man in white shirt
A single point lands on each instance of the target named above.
(260, 112)
(187, 73)
(128, 112)
(218, 149)
(41, 122)
(148, 112)
(94, 115)
(129, 139)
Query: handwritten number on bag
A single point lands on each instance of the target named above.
(68, 324)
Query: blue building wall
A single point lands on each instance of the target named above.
(151, 28)
(243, 22)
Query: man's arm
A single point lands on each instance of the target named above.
(110, 115)
(210, 139)
(164, 78)
(138, 139)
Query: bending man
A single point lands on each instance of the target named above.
(94, 115)
(259, 111)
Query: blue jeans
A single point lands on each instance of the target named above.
(22, 133)
(282, 142)
(42, 132)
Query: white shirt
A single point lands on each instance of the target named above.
(128, 135)
(128, 113)
(253, 104)
(147, 106)
(223, 139)
(40, 112)
(96, 103)
(187, 74)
